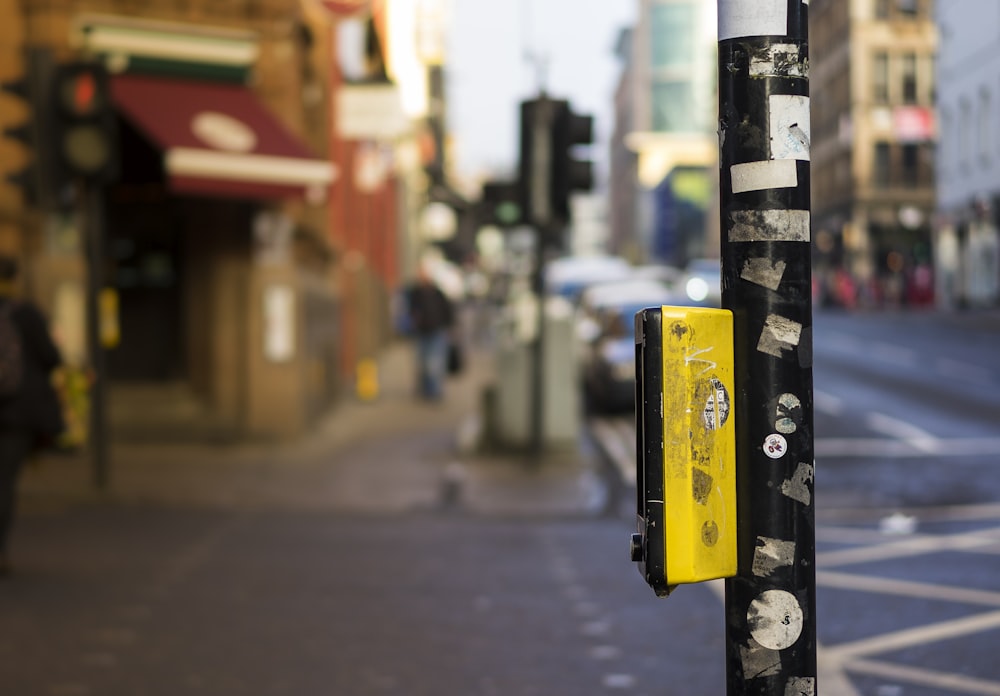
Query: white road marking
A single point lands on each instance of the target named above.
(920, 635)
(908, 588)
(924, 677)
(827, 403)
(958, 369)
(901, 430)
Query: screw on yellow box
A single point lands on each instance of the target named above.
(685, 446)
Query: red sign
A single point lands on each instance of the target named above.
(344, 7)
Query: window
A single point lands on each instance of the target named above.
(673, 107)
(907, 8)
(880, 172)
(672, 28)
(911, 165)
(964, 133)
(881, 9)
(880, 78)
(909, 78)
(985, 126)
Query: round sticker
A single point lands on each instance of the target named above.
(775, 446)
(775, 619)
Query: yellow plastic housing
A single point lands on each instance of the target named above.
(699, 444)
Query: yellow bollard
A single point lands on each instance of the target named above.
(367, 380)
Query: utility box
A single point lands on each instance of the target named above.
(512, 425)
(685, 446)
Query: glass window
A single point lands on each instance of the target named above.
(907, 8)
(881, 9)
(673, 107)
(985, 126)
(880, 173)
(880, 78)
(673, 31)
(909, 77)
(911, 165)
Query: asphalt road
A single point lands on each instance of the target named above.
(907, 415)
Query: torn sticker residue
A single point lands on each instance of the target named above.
(801, 686)
(764, 272)
(790, 126)
(769, 226)
(759, 662)
(798, 487)
(779, 60)
(772, 554)
(789, 414)
(780, 336)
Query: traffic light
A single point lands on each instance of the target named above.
(569, 174)
(500, 204)
(38, 179)
(85, 127)
(549, 168)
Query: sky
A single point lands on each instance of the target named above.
(499, 53)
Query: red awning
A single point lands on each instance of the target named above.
(218, 139)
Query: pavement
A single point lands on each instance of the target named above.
(394, 453)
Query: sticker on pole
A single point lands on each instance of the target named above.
(775, 446)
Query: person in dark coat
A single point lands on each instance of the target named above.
(431, 316)
(31, 416)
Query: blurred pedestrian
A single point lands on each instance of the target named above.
(30, 413)
(431, 316)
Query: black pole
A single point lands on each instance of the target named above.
(538, 351)
(767, 279)
(93, 231)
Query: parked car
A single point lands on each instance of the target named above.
(608, 312)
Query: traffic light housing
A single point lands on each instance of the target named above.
(549, 168)
(569, 173)
(85, 126)
(38, 179)
(500, 204)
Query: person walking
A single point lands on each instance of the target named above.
(431, 316)
(30, 413)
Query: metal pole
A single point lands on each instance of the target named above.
(93, 227)
(541, 214)
(767, 280)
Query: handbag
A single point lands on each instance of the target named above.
(456, 358)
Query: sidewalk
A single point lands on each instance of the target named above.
(393, 454)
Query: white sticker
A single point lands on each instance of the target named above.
(767, 174)
(739, 18)
(775, 446)
(775, 619)
(779, 60)
(780, 336)
(790, 126)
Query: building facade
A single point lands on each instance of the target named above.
(250, 244)
(873, 149)
(666, 108)
(967, 251)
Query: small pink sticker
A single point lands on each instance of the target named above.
(775, 446)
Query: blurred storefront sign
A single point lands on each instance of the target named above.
(370, 112)
(913, 124)
(130, 44)
(218, 139)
